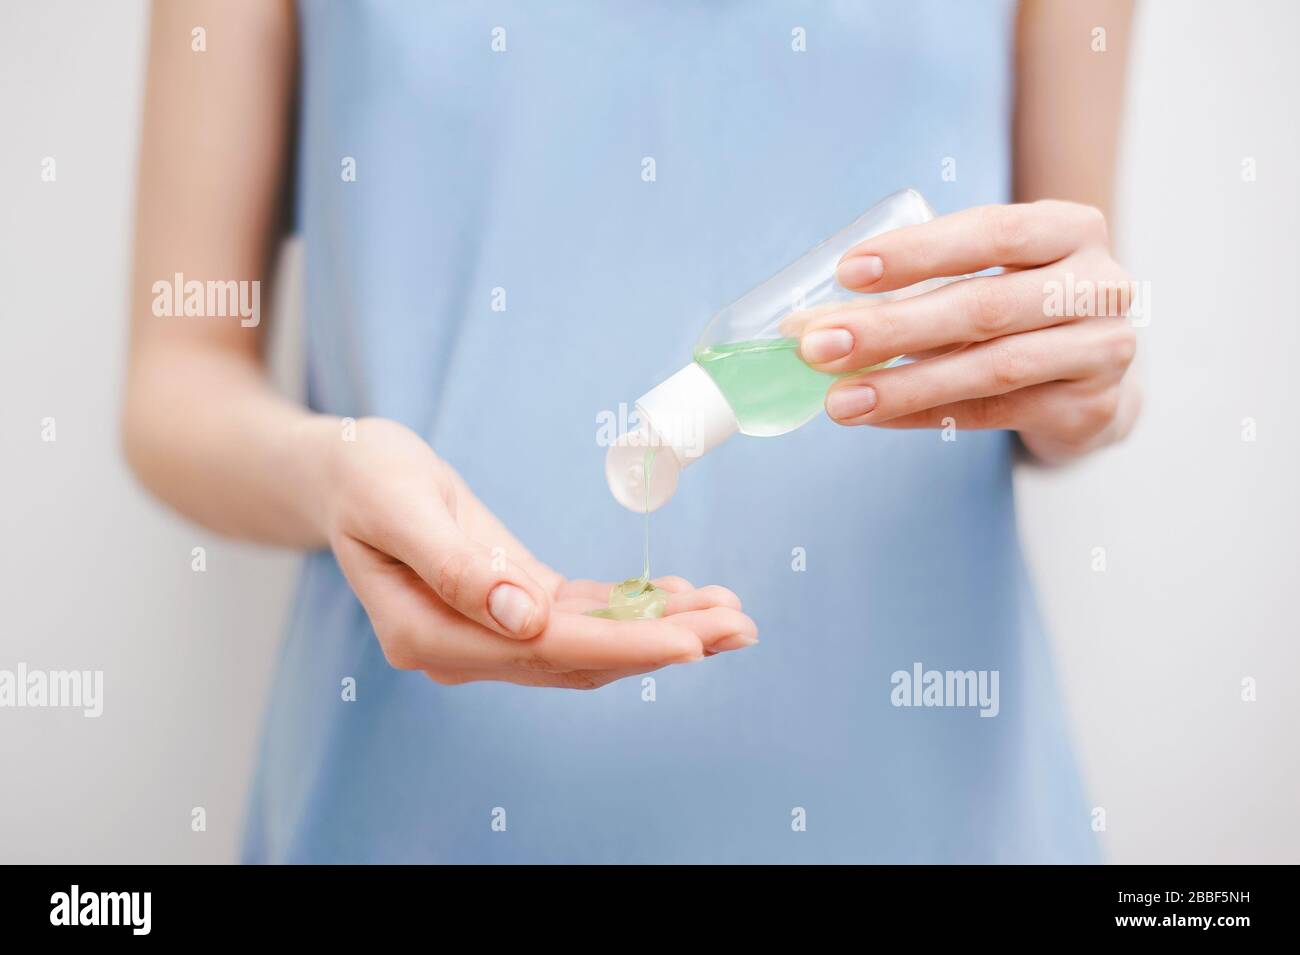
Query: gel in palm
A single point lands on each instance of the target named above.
(747, 375)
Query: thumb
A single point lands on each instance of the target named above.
(488, 589)
(478, 582)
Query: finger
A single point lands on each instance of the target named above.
(393, 596)
(1013, 411)
(719, 628)
(983, 237)
(1065, 352)
(707, 615)
(483, 585)
(572, 680)
(579, 642)
(415, 628)
(860, 335)
(701, 599)
(1069, 410)
(674, 585)
(575, 641)
(418, 631)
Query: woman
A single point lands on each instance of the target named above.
(517, 217)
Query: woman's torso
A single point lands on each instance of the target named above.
(858, 552)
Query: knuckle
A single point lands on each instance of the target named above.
(534, 661)
(1092, 221)
(398, 646)
(684, 649)
(721, 596)
(1086, 221)
(991, 308)
(1009, 366)
(1104, 408)
(883, 330)
(453, 576)
(1073, 428)
(897, 397)
(581, 680)
(1007, 232)
(1086, 419)
(447, 677)
(673, 581)
(1114, 290)
(1122, 344)
(987, 413)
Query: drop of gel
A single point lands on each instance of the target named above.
(636, 598)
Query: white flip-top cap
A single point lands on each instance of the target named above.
(683, 418)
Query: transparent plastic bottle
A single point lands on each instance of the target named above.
(746, 374)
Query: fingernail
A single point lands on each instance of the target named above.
(826, 344)
(860, 270)
(511, 607)
(850, 401)
(737, 641)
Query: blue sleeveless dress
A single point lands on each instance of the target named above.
(503, 146)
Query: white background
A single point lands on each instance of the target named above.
(1200, 527)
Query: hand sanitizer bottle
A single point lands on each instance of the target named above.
(747, 375)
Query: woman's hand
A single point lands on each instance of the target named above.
(449, 591)
(992, 353)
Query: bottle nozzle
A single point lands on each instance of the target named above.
(681, 419)
(626, 465)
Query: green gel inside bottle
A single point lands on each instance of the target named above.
(769, 387)
(636, 598)
(767, 384)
